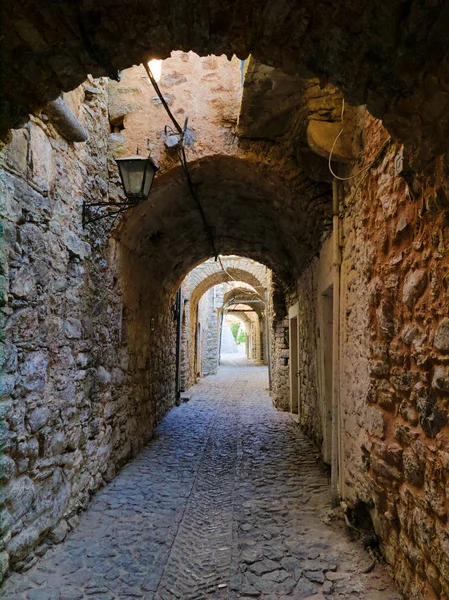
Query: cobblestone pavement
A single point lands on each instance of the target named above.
(227, 502)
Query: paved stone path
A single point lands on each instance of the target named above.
(227, 502)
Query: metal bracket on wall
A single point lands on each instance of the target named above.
(91, 214)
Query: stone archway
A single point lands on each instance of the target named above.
(205, 278)
(363, 49)
(254, 305)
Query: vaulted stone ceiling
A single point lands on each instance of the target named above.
(388, 55)
(254, 211)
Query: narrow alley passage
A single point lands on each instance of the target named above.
(228, 501)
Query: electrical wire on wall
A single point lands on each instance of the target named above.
(180, 132)
(335, 143)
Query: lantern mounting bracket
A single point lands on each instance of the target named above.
(137, 174)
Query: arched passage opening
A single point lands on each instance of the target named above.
(164, 238)
(58, 48)
(209, 288)
(162, 241)
(242, 300)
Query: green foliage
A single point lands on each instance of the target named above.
(235, 330)
(239, 335)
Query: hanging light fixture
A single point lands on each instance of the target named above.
(137, 174)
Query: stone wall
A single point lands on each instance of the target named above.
(279, 346)
(211, 340)
(200, 282)
(401, 78)
(60, 355)
(81, 391)
(405, 452)
(393, 366)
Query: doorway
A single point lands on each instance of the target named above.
(327, 369)
(294, 362)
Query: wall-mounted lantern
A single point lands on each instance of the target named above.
(137, 174)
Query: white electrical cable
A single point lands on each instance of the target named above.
(333, 147)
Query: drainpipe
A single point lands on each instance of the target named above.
(220, 335)
(335, 458)
(267, 336)
(178, 342)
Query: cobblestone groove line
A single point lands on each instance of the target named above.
(201, 556)
(227, 502)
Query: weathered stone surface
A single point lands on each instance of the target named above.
(7, 384)
(38, 418)
(20, 494)
(441, 340)
(440, 379)
(34, 372)
(411, 334)
(414, 285)
(22, 325)
(65, 121)
(4, 564)
(7, 468)
(24, 285)
(386, 320)
(73, 328)
(74, 244)
(414, 469)
(22, 543)
(58, 533)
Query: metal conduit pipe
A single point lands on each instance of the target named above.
(178, 311)
(267, 335)
(335, 455)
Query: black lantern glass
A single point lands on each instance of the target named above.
(137, 174)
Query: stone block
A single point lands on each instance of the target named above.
(103, 377)
(34, 372)
(7, 384)
(74, 244)
(409, 413)
(403, 380)
(17, 151)
(38, 418)
(441, 340)
(379, 368)
(24, 284)
(21, 544)
(28, 448)
(414, 470)
(8, 358)
(20, 495)
(22, 325)
(414, 286)
(404, 434)
(7, 468)
(4, 564)
(431, 418)
(72, 328)
(385, 319)
(42, 158)
(411, 333)
(59, 533)
(424, 529)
